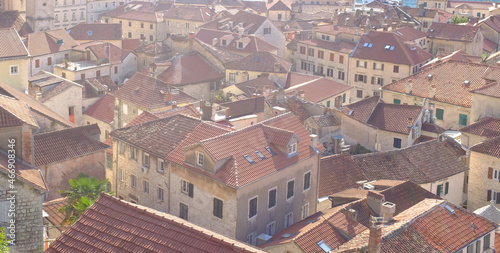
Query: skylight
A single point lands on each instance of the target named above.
(368, 45)
(365, 45)
(249, 159)
(324, 246)
(392, 48)
(389, 47)
(260, 155)
(270, 151)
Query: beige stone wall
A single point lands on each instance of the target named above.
(479, 183)
(182, 26)
(17, 80)
(69, 13)
(240, 77)
(385, 140)
(489, 33)
(56, 175)
(70, 97)
(437, 4)
(105, 127)
(28, 211)
(484, 106)
(121, 118)
(359, 132)
(136, 28)
(447, 46)
(46, 124)
(456, 188)
(283, 206)
(73, 75)
(286, 247)
(450, 115)
(274, 15)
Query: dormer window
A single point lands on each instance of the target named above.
(240, 44)
(292, 148)
(224, 42)
(199, 158)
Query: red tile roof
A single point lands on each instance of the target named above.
(336, 29)
(130, 44)
(492, 90)
(256, 86)
(114, 225)
(191, 13)
(280, 5)
(96, 31)
(46, 42)
(146, 16)
(402, 53)
(448, 79)
(320, 89)
(51, 85)
(108, 52)
(55, 217)
(150, 93)
(189, 110)
(261, 62)
(66, 144)
(488, 127)
(433, 128)
(24, 172)
(189, 69)
(103, 109)
(295, 78)
(489, 45)
(341, 46)
(15, 112)
(363, 109)
(251, 22)
(12, 19)
(458, 55)
(338, 173)
(154, 48)
(489, 147)
(138, 5)
(454, 32)
(11, 44)
(409, 34)
(394, 117)
(252, 43)
(492, 21)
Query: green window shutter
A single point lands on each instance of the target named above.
(328, 103)
(446, 186)
(439, 114)
(439, 190)
(397, 101)
(462, 119)
(343, 98)
(191, 190)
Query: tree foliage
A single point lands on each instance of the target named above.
(3, 241)
(459, 19)
(83, 192)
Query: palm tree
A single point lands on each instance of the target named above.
(84, 190)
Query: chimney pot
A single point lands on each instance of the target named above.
(375, 239)
(313, 142)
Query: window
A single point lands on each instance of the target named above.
(328, 103)
(439, 113)
(145, 186)
(360, 78)
(98, 73)
(272, 198)
(397, 143)
(426, 24)
(81, 15)
(479, 14)
(324, 246)
(252, 208)
(332, 57)
(151, 37)
(151, 26)
(129, 35)
(133, 153)
(378, 66)
(311, 67)
(49, 61)
(82, 76)
(361, 64)
(341, 59)
(183, 211)
(187, 188)
(478, 246)
(71, 113)
(66, 56)
(14, 69)
(279, 16)
(168, 23)
(325, 37)
(73, 16)
(252, 238)
(271, 228)
(65, 17)
(267, 30)
(377, 80)
(240, 44)
(187, 25)
(311, 51)
(319, 70)
(142, 25)
(289, 189)
(288, 219)
(161, 166)
(4, 210)
(439, 190)
(57, 18)
(470, 248)
(329, 72)
(303, 65)
(120, 175)
(292, 148)
(129, 23)
(199, 158)
(486, 240)
(359, 93)
(305, 211)
(396, 69)
(321, 54)
(462, 119)
(218, 205)
(133, 181)
(145, 159)
(341, 75)
(116, 69)
(302, 50)
(37, 63)
(397, 101)
(121, 146)
(307, 180)
(125, 109)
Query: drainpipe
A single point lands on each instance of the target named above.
(116, 169)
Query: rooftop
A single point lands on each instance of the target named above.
(103, 109)
(11, 44)
(488, 127)
(261, 62)
(319, 89)
(490, 147)
(452, 32)
(189, 69)
(96, 31)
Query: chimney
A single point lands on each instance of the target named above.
(394, 25)
(241, 30)
(174, 104)
(191, 35)
(375, 201)
(169, 97)
(429, 77)
(230, 24)
(313, 143)
(228, 112)
(408, 86)
(240, 24)
(388, 209)
(375, 239)
(38, 95)
(352, 214)
(214, 42)
(276, 67)
(466, 83)
(302, 94)
(409, 122)
(432, 91)
(385, 27)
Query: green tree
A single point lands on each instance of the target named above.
(3, 242)
(459, 20)
(84, 190)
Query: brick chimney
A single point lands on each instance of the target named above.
(169, 97)
(375, 239)
(191, 35)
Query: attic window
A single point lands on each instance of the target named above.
(292, 148)
(223, 42)
(90, 32)
(391, 49)
(270, 151)
(260, 155)
(368, 45)
(240, 44)
(324, 246)
(249, 159)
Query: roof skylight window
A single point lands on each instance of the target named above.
(270, 151)
(261, 156)
(249, 159)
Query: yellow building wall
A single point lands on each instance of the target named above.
(479, 183)
(240, 77)
(19, 80)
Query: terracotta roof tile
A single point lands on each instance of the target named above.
(338, 173)
(401, 53)
(394, 117)
(15, 112)
(280, 5)
(12, 19)
(251, 22)
(458, 55)
(336, 29)
(491, 21)
(55, 217)
(46, 42)
(489, 45)
(492, 90)
(24, 172)
(114, 225)
(320, 89)
(448, 79)
(103, 109)
(294, 78)
(488, 127)
(189, 110)
(489, 147)
(11, 44)
(252, 43)
(154, 48)
(256, 86)
(147, 16)
(96, 31)
(363, 109)
(65, 144)
(452, 32)
(189, 69)
(107, 51)
(408, 33)
(261, 62)
(297, 107)
(433, 128)
(50, 84)
(150, 93)
(131, 44)
(245, 107)
(471, 4)
(326, 120)
(192, 13)
(341, 46)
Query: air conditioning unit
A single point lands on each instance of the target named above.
(144, 170)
